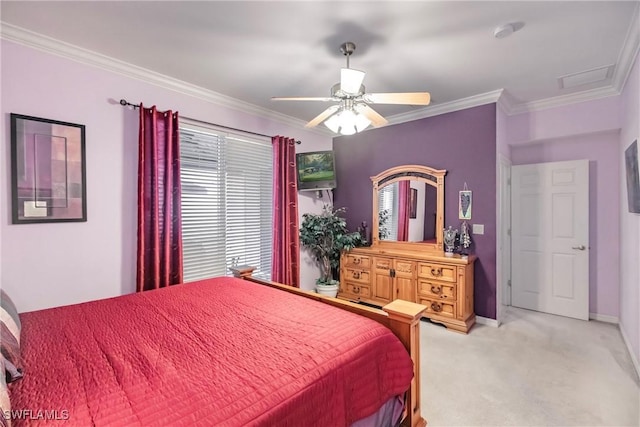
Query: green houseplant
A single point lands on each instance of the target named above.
(325, 235)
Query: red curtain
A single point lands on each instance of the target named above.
(285, 265)
(404, 194)
(159, 219)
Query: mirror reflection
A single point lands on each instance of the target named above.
(407, 212)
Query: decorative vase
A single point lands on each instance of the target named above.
(449, 240)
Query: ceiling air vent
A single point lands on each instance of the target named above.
(585, 77)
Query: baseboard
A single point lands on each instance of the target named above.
(603, 318)
(634, 359)
(487, 321)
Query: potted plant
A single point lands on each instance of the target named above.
(325, 235)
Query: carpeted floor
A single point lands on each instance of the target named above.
(536, 369)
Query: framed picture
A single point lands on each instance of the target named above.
(464, 204)
(413, 203)
(633, 177)
(48, 172)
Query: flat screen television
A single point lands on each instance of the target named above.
(316, 170)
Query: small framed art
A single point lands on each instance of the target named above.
(413, 203)
(633, 177)
(464, 204)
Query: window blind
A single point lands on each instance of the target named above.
(227, 186)
(388, 201)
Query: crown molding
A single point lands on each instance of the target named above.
(447, 107)
(563, 100)
(59, 48)
(628, 53)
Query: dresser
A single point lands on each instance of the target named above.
(377, 276)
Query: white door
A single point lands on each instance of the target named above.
(550, 238)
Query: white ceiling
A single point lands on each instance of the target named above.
(251, 51)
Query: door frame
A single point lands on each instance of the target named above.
(503, 239)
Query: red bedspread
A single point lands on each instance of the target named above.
(222, 351)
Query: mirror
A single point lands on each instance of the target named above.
(407, 212)
(408, 207)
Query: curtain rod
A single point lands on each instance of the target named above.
(126, 103)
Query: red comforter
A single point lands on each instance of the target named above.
(221, 351)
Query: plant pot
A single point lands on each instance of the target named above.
(327, 290)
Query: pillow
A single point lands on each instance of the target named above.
(10, 331)
(5, 404)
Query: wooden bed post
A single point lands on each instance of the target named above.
(401, 317)
(404, 321)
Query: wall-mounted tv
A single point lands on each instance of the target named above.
(316, 170)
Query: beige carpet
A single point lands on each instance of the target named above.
(536, 369)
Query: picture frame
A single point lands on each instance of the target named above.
(413, 203)
(632, 170)
(48, 171)
(465, 200)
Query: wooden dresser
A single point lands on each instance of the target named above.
(377, 276)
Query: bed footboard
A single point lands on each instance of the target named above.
(401, 317)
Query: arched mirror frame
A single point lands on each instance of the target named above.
(433, 177)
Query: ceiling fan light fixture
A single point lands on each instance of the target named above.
(347, 122)
(351, 80)
(333, 123)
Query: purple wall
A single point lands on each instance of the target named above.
(463, 143)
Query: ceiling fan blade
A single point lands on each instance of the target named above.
(351, 80)
(371, 114)
(301, 98)
(405, 98)
(322, 116)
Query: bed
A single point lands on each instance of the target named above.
(225, 351)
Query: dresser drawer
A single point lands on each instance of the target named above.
(439, 307)
(385, 264)
(356, 289)
(359, 261)
(437, 290)
(356, 275)
(437, 272)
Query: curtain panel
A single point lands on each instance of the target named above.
(404, 194)
(286, 242)
(159, 255)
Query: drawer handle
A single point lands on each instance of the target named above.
(356, 274)
(435, 289)
(357, 260)
(436, 307)
(436, 272)
(356, 290)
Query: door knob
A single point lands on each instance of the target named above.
(580, 248)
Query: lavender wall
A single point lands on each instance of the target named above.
(463, 143)
(583, 131)
(46, 265)
(604, 169)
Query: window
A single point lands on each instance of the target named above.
(227, 184)
(388, 216)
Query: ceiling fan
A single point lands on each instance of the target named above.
(352, 112)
